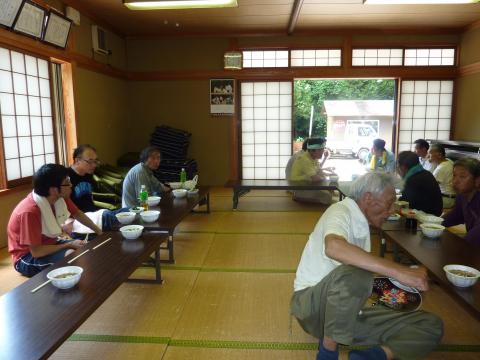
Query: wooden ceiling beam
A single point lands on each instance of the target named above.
(307, 33)
(292, 23)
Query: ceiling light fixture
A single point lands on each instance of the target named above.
(413, 2)
(177, 4)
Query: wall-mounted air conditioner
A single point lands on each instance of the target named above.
(99, 40)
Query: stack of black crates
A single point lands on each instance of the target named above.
(173, 144)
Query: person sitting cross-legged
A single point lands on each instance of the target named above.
(306, 167)
(335, 278)
(85, 161)
(379, 158)
(466, 183)
(421, 190)
(142, 174)
(35, 236)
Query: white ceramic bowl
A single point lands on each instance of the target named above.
(175, 185)
(153, 200)
(131, 232)
(150, 215)
(136, 209)
(432, 230)
(67, 282)
(179, 193)
(431, 219)
(460, 280)
(125, 217)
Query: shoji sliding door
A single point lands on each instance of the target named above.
(266, 134)
(425, 112)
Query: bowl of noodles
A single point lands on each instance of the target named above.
(461, 275)
(65, 277)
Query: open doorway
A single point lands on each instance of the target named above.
(350, 113)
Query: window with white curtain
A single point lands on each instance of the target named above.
(25, 113)
(266, 129)
(425, 111)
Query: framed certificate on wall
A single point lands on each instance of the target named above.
(57, 30)
(9, 11)
(30, 20)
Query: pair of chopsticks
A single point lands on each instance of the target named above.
(70, 261)
(95, 247)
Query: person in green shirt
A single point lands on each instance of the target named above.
(308, 167)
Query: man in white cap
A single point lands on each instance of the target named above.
(308, 167)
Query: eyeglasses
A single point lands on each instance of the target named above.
(92, 161)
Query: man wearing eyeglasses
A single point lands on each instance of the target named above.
(35, 233)
(85, 161)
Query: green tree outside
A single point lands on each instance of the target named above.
(315, 92)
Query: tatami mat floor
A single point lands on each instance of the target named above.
(227, 296)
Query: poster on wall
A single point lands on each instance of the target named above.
(222, 96)
(57, 30)
(31, 19)
(8, 11)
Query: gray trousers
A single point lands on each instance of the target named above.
(332, 308)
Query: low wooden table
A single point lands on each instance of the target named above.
(172, 212)
(242, 187)
(34, 325)
(434, 254)
(390, 225)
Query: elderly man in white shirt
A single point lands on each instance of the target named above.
(335, 278)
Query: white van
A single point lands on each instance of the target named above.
(357, 140)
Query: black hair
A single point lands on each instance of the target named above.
(408, 159)
(470, 164)
(149, 151)
(438, 148)
(423, 144)
(304, 145)
(81, 149)
(379, 144)
(49, 175)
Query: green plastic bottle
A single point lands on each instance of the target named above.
(183, 176)
(144, 197)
